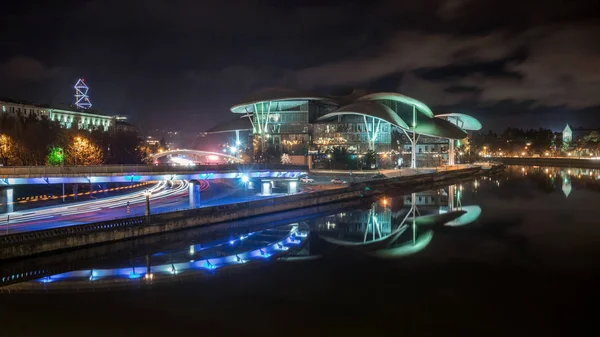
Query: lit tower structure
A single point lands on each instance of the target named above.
(82, 100)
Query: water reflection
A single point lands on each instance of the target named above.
(395, 226)
(205, 257)
(493, 215)
(567, 179)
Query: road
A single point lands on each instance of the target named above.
(166, 197)
(163, 194)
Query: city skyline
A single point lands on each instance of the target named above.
(504, 62)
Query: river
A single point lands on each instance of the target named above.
(511, 254)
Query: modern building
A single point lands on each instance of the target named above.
(301, 123)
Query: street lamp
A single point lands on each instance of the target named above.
(147, 195)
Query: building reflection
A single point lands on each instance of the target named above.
(394, 227)
(557, 178)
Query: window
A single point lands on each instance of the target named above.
(3, 108)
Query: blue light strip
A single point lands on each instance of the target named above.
(139, 178)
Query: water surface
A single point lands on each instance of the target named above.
(512, 254)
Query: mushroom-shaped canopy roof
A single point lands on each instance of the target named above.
(349, 97)
(368, 109)
(239, 124)
(472, 212)
(285, 98)
(437, 127)
(463, 121)
(419, 106)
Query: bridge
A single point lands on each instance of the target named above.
(25, 175)
(210, 156)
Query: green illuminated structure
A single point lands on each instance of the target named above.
(297, 122)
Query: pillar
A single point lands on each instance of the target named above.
(265, 188)
(292, 187)
(147, 194)
(7, 199)
(75, 190)
(451, 152)
(413, 152)
(194, 195)
(451, 197)
(413, 200)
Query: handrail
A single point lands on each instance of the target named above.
(134, 169)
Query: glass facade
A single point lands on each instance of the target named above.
(293, 128)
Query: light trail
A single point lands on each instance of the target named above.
(159, 191)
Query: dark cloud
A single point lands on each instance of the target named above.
(194, 59)
(27, 69)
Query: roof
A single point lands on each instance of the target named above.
(239, 124)
(463, 121)
(437, 127)
(369, 109)
(288, 97)
(419, 106)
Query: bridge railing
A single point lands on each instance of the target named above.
(44, 171)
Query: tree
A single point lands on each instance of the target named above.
(56, 156)
(81, 151)
(145, 153)
(7, 150)
(285, 159)
(370, 159)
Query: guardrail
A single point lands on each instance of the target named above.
(44, 171)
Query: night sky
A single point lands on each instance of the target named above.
(182, 64)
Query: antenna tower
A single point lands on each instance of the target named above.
(82, 100)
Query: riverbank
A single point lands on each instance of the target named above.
(556, 162)
(45, 241)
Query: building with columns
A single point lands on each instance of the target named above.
(301, 123)
(68, 118)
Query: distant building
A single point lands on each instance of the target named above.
(152, 141)
(567, 135)
(572, 134)
(122, 125)
(68, 118)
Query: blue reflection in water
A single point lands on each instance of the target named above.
(171, 268)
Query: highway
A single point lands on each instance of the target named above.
(163, 195)
(166, 197)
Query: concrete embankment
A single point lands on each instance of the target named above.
(553, 162)
(44, 241)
